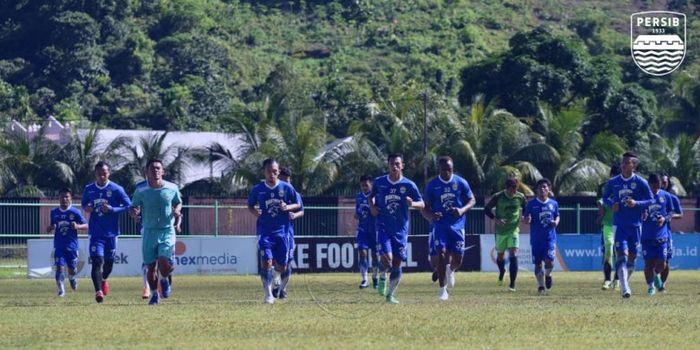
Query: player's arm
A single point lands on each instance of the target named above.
(461, 211)
(252, 198)
(555, 222)
(124, 202)
(601, 212)
(135, 207)
(373, 209)
(646, 198)
(488, 209)
(414, 199)
(677, 209)
(80, 223)
(608, 198)
(299, 213)
(527, 217)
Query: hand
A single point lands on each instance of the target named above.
(527, 219)
(437, 216)
(50, 228)
(500, 222)
(409, 201)
(645, 215)
(88, 209)
(105, 208)
(374, 211)
(135, 212)
(73, 225)
(283, 206)
(553, 223)
(258, 212)
(455, 212)
(178, 228)
(631, 203)
(177, 212)
(292, 215)
(660, 220)
(616, 207)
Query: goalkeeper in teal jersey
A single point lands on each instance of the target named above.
(160, 205)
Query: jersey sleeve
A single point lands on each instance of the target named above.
(253, 197)
(555, 214)
(527, 209)
(79, 218)
(137, 199)
(415, 193)
(467, 190)
(676, 204)
(85, 200)
(177, 198)
(646, 197)
(607, 196)
(301, 203)
(124, 201)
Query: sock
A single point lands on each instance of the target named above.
(375, 268)
(266, 277)
(107, 268)
(394, 280)
(501, 269)
(548, 271)
(145, 276)
(275, 277)
(60, 277)
(630, 269)
(285, 278)
(539, 275)
(513, 270)
(607, 270)
(96, 273)
(621, 267)
(71, 277)
(383, 269)
(364, 266)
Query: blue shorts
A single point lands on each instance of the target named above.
(103, 246)
(274, 247)
(366, 240)
(653, 250)
(63, 257)
(627, 237)
(449, 239)
(543, 251)
(394, 243)
(432, 248)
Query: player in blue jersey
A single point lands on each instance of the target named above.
(667, 186)
(103, 201)
(281, 280)
(270, 202)
(628, 195)
(391, 197)
(366, 233)
(542, 213)
(64, 223)
(655, 232)
(447, 199)
(159, 204)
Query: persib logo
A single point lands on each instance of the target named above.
(658, 41)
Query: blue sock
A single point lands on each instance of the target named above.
(60, 276)
(394, 279)
(621, 267)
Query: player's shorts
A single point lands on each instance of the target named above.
(607, 239)
(627, 238)
(157, 243)
(432, 248)
(394, 243)
(366, 239)
(274, 247)
(544, 251)
(63, 257)
(507, 241)
(449, 239)
(103, 246)
(669, 253)
(654, 250)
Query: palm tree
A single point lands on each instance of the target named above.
(679, 157)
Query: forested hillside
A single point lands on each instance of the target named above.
(527, 88)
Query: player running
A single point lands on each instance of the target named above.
(103, 201)
(542, 213)
(64, 222)
(366, 233)
(655, 232)
(270, 202)
(391, 197)
(281, 280)
(508, 205)
(627, 194)
(661, 278)
(447, 199)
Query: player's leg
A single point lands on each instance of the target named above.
(266, 267)
(375, 266)
(649, 264)
(608, 241)
(442, 273)
(97, 247)
(663, 276)
(455, 250)
(72, 264)
(110, 251)
(539, 271)
(149, 250)
(146, 290)
(363, 255)
(549, 263)
(281, 257)
(398, 246)
(501, 247)
(166, 248)
(60, 262)
(513, 244)
(384, 243)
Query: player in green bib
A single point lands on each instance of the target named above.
(159, 204)
(508, 205)
(605, 220)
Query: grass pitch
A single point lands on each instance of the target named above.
(329, 311)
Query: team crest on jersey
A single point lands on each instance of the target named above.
(402, 190)
(109, 193)
(551, 207)
(633, 185)
(281, 193)
(454, 187)
(658, 41)
(661, 200)
(71, 217)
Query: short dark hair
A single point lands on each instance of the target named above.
(152, 161)
(364, 178)
(543, 180)
(64, 190)
(394, 155)
(615, 170)
(445, 160)
(269, 161)
(629, 154)
(101, 164)
(512, 182)
(654, 178)
(285, 171)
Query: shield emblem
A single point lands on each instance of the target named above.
(658, 41)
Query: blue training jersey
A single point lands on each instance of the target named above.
(442, 196)
(65, 237)
(662, 206)
(290, 228)
(390, 198)
(542, 214)
(677, 209)
(105, 225)
(618, 189)
(272, 221)
(366, 224)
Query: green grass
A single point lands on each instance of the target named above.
(329, 311)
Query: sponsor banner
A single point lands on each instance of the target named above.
(339, 254)
(585, 253)
(194, 255)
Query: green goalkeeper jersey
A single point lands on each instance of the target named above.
(509, 209)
